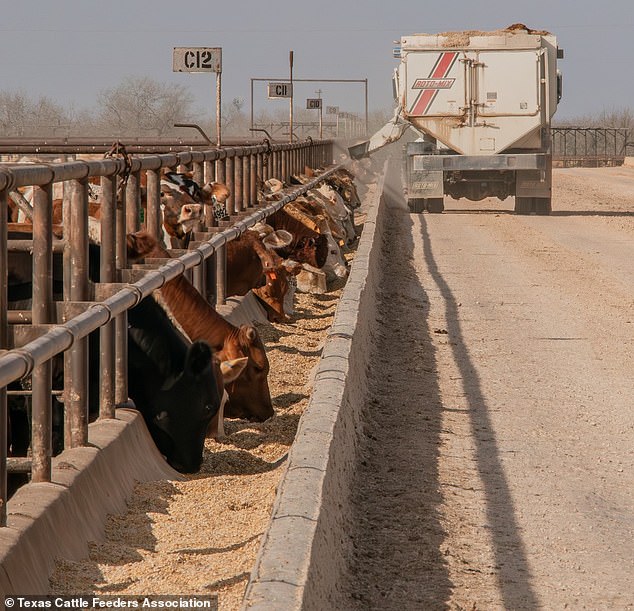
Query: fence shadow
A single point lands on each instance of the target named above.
(398, 533)
(514, 576)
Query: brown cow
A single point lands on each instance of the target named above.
(214, 194)
(248, 260)
(277, 294)
(249, 395)
(308, 246)
(253, 264)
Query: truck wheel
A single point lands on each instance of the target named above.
(543, 206)
(435, 205)
(416, 205)
(523, 205)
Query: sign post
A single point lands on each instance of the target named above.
(315, 104)
(334, 110)
(202, 59)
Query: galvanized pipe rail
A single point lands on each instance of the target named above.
(64, 326)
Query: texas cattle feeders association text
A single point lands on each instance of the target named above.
(112, 602)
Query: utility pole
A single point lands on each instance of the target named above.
(290, 135)
(318, 92)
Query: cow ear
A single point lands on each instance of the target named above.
(263, 229)
(249, 333)
(233, 368)
(278, 239)
(198, 358)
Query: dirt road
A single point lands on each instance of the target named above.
(498, 466)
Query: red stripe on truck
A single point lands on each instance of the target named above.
(440, 70)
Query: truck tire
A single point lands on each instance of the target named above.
(416, 205)
(523, 205)
(435, 205)
(543, 206)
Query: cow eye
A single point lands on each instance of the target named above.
(209, 408)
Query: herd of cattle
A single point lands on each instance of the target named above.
(185, 386)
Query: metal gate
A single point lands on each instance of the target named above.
(589, 146)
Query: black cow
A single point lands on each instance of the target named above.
(172, 384)
(171, 381)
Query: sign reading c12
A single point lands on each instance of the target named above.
(197, 59)
(280, 90)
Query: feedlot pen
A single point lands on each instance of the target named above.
(492, 463)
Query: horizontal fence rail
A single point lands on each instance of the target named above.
(63, 326)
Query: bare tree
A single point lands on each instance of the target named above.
(234, 121)
(21, 116)
(141, 105)
(608, 117)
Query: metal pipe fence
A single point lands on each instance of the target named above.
(589, 146)
(30, 340)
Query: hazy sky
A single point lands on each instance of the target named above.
(69, 50)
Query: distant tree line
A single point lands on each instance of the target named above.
(137, 107)
(613, 117)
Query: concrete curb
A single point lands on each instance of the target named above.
(302, 553)
(57, 519)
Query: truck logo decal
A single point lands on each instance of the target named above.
(436, 80)
(433, 83)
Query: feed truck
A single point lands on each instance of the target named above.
(481, 104)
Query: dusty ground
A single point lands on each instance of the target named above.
(201, 536)
(503, 474)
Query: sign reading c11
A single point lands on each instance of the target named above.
(197, 59)
(280, 90)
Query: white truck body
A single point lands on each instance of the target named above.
(481, 98)
(482, 103)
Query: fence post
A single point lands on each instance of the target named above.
(230, 182)
(238, 185)
(4, 341)
(41, 379)
(108, 273)
(76, 401)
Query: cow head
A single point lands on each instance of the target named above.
(273, 293)
(311, 250)
(172, 202)
(249, 395)
(140, 245)
(180, 411)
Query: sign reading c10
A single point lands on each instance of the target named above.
(197, 59)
